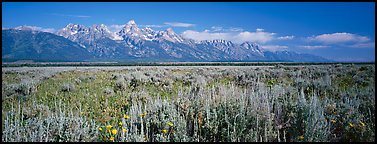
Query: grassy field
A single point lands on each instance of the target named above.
(331, 103)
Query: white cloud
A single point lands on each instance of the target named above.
(314, 46)
(260, 30)
(237, 37)
(115, 27)
(363, 45)
(217, 28)
(258, 36)
(35, 28)
(205, 35)
(273, 47)
(339, 38)
(153, 26)
(234, 29)
(221, 29)
(179, 24)
(343, 40)
(285, 37)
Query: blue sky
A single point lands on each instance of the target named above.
(338, 31)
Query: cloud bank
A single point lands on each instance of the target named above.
(259, 35)
(343, 39)
(179, 24)
(35, 28)
(314, 46)
(339, 38)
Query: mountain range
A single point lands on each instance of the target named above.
(97, 43)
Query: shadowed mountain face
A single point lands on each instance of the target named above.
(40, 46)
(79, 43)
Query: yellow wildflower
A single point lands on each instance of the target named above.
(112, 138)
(114, 131)
(351, 125)
(164, 131)
(333, 121)
(170, 124)
(301, 137)
(143, 114)
(120, 123)
(109, 127)
(100, 129)
(362, 124)
(126, 116)
(125, 130)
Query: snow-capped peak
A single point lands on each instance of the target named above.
(130, 30)
(101, 28)
(253, 47)
(148, 34)
(249, 45)
(74, 26)
(131, 22)
(76, 31)
(72, 29)
(170, 35)
(170, 31)
(105, 32)
(148, 29)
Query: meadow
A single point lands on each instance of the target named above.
(280, 103)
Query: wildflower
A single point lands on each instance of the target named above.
(114, 131)
(112, 138)
(120, 123)
(125, 130)
(333, 121)
(126, 116)
(170, 124)
(164, 131)
(301, 137)
(351, 125)
(109, 127)
(143, 114)
(82, 113)
(362, 124)
(100, 129)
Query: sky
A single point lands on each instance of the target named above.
(341, 31)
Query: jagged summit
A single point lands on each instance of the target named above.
(131, 22)
(169, 30)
